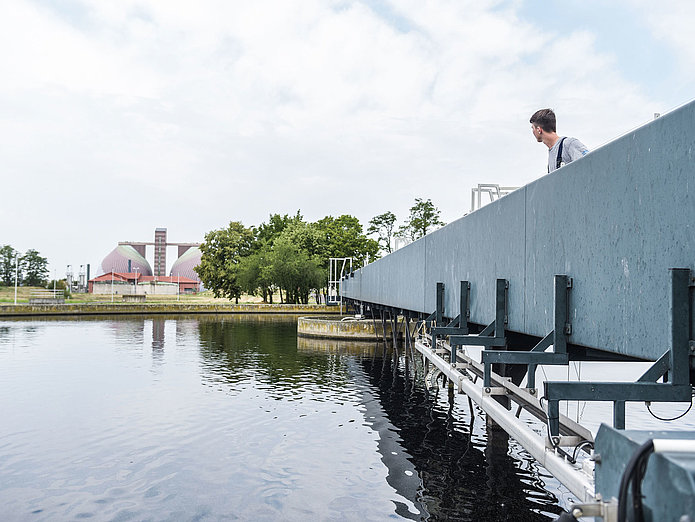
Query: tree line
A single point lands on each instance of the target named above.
(285, 254)
(290, 256)
(31, 268)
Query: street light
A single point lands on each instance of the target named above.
(16, 274)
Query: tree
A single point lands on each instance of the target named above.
(35, 268)
(424, 216)
(343, 237)
(222, 252)
(382, 225)
(254, 274)
(294, 270)
(8, 265)
(255, 270)
(268, 232)
(59, 284)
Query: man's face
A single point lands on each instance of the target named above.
(537, 132)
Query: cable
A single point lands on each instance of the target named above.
(634, 472)
(648, 404)
(579, 446)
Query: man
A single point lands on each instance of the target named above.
(562, 150)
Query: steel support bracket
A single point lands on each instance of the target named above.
(490, 391)
(537, 355)
(675, 362)
(608, 511)
(563, 441)
(459, 326)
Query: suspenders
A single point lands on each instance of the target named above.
(558, 163)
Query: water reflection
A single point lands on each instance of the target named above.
(236, 350)
(437, 447)
(209, 417)
(452, 452)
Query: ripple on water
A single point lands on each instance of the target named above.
(149, 419)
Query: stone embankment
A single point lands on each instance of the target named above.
(164, 308)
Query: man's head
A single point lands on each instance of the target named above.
(543, 121)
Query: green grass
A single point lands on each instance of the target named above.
(24, 292)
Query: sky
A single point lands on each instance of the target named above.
(120, 117)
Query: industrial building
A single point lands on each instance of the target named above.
(125, 270)
(134, 283)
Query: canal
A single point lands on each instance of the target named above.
(235, 418)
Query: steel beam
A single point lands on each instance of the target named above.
(613, 391)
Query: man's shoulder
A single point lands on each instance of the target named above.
(571, 142)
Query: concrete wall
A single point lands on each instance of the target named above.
(21, 310)
(157, 289)
(119, 288)
(615, 221)
(336, 328)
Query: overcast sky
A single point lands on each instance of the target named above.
(120, 117)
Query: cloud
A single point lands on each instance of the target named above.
(671, 21)
(154, 113)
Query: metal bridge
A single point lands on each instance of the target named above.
(594, 261)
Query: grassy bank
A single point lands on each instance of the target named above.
(207, 298)
(202, 303)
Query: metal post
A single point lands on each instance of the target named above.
(438, 312)
(554, 417)
(487, 375)
(463, 307)
(440, 304)
(500, 321)
(619, 415)
(394, 329)
(531, 379)
(562, 285)
(501, 307)
(680, 326)
(463, 316)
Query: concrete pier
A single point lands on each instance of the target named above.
(345, 327)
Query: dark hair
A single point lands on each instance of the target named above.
(545, 119)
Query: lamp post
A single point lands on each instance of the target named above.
(178, 285)
(112, 284)
(16, 275)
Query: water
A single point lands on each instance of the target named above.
(235, 418)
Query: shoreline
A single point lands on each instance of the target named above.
(25, 310)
